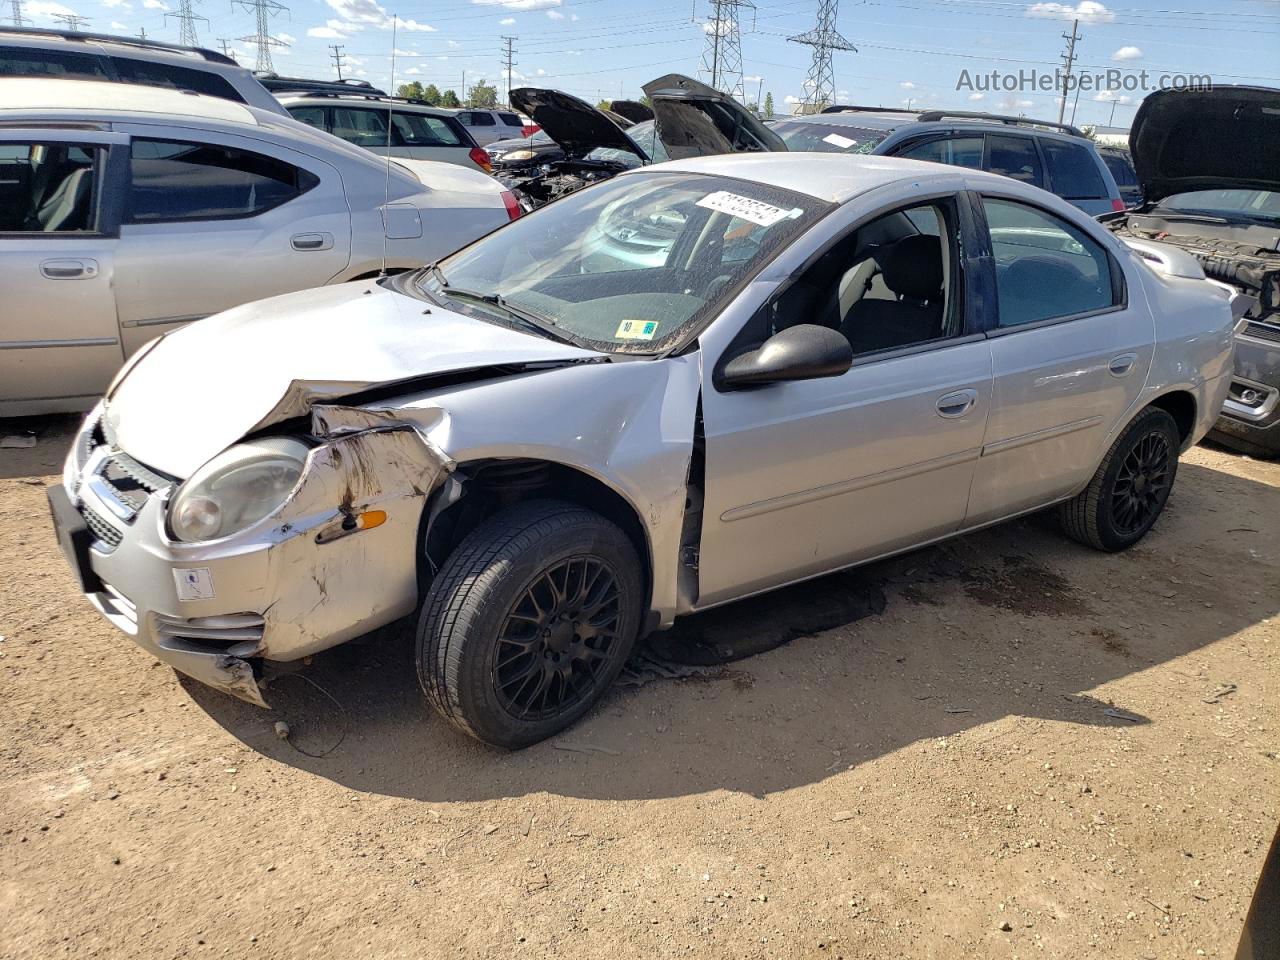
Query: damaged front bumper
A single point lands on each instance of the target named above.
(313, 574)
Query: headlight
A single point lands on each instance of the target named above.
(517, 155)
(236, 489)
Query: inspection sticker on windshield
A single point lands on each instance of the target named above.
(844, 143)
(194, 583)
(637, 329)
(763, 214)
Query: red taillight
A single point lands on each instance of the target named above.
(1117, 205)
(529, 129)
(482, 159)
(511, 203)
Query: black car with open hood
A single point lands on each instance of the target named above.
(695, 120)
(1208, 163)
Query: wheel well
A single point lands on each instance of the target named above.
(1180, 405)
(492, 485)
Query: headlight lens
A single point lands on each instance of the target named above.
(518, 155)
(236, 489)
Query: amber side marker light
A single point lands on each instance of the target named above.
(371, 519)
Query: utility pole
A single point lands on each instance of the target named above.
(1112, 120)
(73, 20)
(187, 17)
(226, 49)
(263, 11)
(466, 100)
(18, 19)
(1068, 59)
(722, 56)
(142, 34)
(825, 40)
(508, 62)
(336, 56)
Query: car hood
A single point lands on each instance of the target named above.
(633, 111)
(200, 389)
(1224, 138)
(574, 124)
(694, 120)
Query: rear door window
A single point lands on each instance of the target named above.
(361, 126)
(479, 119)
(510, 119)
(24, 62)
(47, 187)
(311, 116)
(174, 77)
(1014, 157)
(420, 130)
(1073, 173)
(176, 180)
(956, 151)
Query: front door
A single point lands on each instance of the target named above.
(59, 343)
(808, 476)
(1069, 356)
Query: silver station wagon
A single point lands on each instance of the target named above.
(691, 383)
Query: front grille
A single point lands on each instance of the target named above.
(219, 633)
(1262, 331)
(106, 535)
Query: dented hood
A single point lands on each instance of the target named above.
(695, 120)
(200, 389)
(1227, 138)
(574, 124)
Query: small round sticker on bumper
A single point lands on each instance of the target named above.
(194, 583)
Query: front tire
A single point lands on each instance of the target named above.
(1130, 488)
(528, 622)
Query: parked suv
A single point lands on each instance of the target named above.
(486, 126)
(1055, 156)
(418, 130)
(120, 223)
(91, 56)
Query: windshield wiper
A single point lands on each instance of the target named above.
(535, 321)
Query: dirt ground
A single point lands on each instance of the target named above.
(1008, 746)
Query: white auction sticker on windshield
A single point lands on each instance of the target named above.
(637, 329)
(844, 143)
(762, 214)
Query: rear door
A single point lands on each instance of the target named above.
(1069, 355)
(214, 220)
(59, 342)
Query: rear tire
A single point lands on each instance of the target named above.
(528, 622)
(1130, 488)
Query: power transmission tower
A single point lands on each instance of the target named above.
(722, 55)
(187, 18)
(263, 11)
(73, 20)
(508, 62)
(226, 50)
(820, 87)
(1068, 58)
(336, 57)
(18, 19)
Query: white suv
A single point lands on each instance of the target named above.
(68, 55)
(487, 126)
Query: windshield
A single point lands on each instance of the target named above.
(816, 137)
(628, 265)
(643, 135)
(1229, 204)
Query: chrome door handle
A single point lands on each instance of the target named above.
(69, 269)
(311, 241)
(1122, 365)
(957, 404)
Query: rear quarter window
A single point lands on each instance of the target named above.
(420, 130)
(26, 62)
(1073, 171)
(175, 78)
(510, 119)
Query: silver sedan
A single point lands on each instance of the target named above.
(694, 382)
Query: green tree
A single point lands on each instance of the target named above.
(450, 99)
(768, 104)
(410, 91)
(482, 95)
(432, 95)
(604, 105)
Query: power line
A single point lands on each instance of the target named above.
(1068, 58)
(187, 17)
(820, 87)
(73, 20)
(263, 11)
(337, 57)
(722, 53)
(18, 19)
(508, 62)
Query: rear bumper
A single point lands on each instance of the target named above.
(1252, 410)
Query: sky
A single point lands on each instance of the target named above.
(917, 52)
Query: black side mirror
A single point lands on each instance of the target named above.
(803, 352)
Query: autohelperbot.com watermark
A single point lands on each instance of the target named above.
(1032, 80)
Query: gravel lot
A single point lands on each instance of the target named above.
(1007, 746)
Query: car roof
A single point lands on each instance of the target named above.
(869, 119)
(866, 119)
(827, 176)
(87, 97)
(362, 99)
(38, 37)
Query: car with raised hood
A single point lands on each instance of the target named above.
(572, 432)
(689, 119)
(523, 153)
(1209, 165)
(127, 211)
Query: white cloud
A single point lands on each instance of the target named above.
(325, 33)
(519, 4)
(287, 37)
(1086, 11)
(752, 79)
(117, 25)
(907, 85)
(112, 4)
(1107, 96)
(506, 21)
(453, 44)
(1127, 53)
(1013, 103)
(573, 16)
(554, 15)
(413, 72)
(540, 72)
(46, 8)
(405, 53)
(975, 97)
(361, 13)
(790, 99)
(155, 5)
